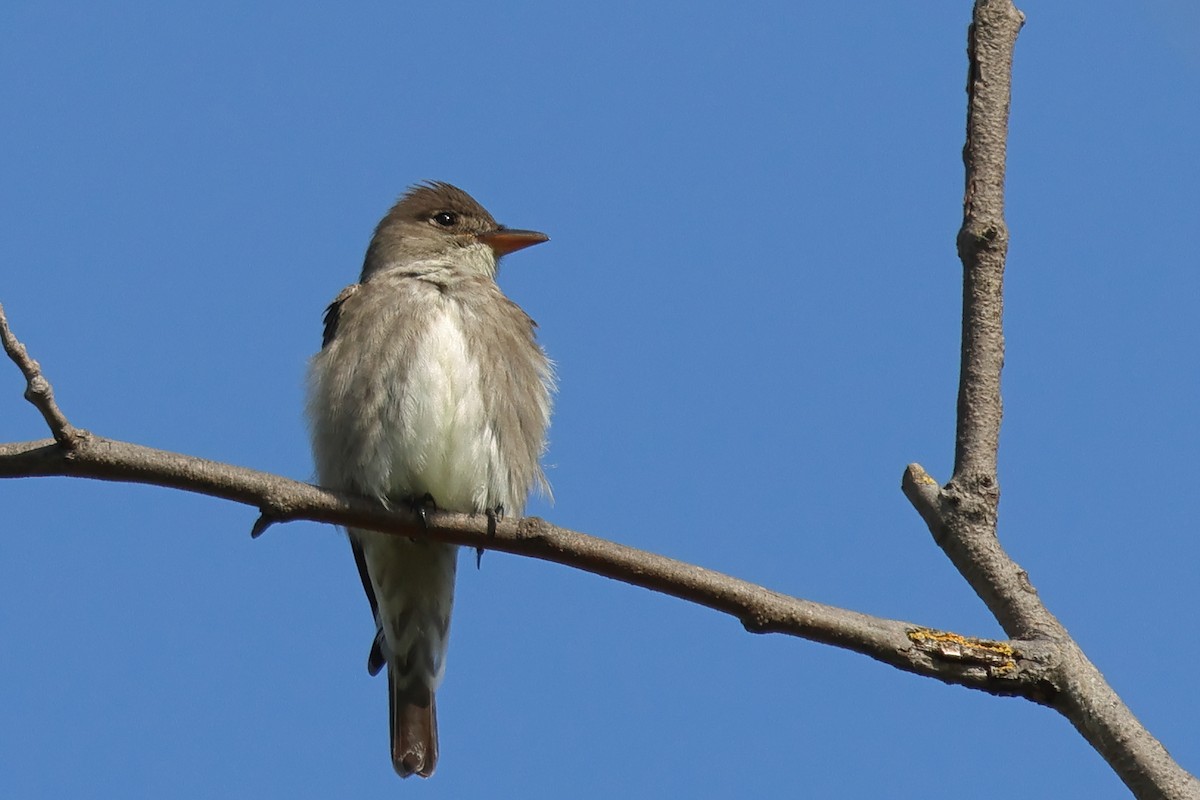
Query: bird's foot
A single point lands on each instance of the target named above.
(421, 506)
(493, 515)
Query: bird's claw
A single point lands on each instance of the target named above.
(421, 506)
(493, 516)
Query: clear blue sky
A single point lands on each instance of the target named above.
(753, 297)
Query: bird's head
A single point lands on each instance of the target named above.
(436, 222)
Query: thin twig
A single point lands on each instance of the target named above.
(37, 389)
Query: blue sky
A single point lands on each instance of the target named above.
(752, 295)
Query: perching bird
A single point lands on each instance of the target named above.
(430, 387)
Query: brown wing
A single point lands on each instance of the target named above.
(375, 660)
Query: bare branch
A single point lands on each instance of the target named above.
(983, 238)
(1014, 668)
(37, 389)
(962, 516)
(1082, 694)
(1002, 668)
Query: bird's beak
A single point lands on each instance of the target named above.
(506, 240)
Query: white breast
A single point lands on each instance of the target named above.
(443, 442)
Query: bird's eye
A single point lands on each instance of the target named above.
(446, 219)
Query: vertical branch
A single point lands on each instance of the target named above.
(967, 507)
(962, 515)
(983, 239)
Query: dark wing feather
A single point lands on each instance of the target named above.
(375, 659)
(334, 313)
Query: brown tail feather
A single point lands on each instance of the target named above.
(414, 730)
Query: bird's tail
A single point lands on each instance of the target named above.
(413, 715)
(413, 585)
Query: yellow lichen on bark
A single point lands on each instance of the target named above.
(999, 657)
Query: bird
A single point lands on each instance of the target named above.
(430, 389)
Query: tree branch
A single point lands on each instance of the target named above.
(1013, 668)
(1019, 668)
(962, 515)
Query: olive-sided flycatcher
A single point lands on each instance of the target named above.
(430, 387)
